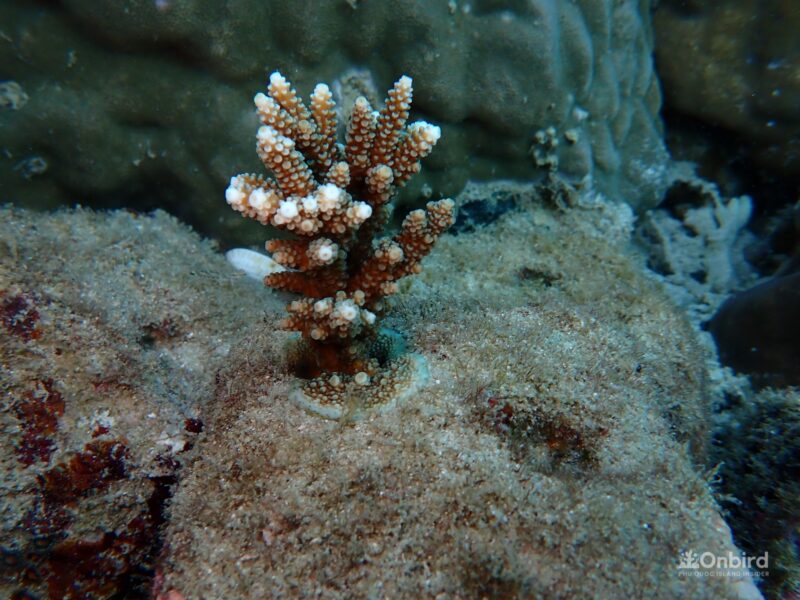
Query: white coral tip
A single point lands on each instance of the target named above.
(310, 204)
(260, 100)
(322, 306)
(233, 195)
(326, 252)
(276, 78)
(258, 199)
(347, 310)
(267, 135)
(363, 211)
(322, 90)
(329, 197)
(288, 210)
(431, 133)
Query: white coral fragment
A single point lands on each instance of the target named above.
(254, 264)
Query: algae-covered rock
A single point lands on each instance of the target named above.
(111, 330)
(148, 103)
(758, 450)
(556, 449)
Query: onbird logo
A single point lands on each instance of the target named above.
(688, 560)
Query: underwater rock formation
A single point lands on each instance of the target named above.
(557, 450)
(109, 343)
(559, 444)
(146, 103)
(758, 332)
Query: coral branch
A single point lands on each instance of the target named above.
(360, 136)
(254, 196)
(282, 92)
(339, 174)
(400, 256)
(270, 113)
(277, 152)
(391, 122)
(324, 147)
(419, 141)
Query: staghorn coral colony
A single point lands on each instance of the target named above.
(335, 199)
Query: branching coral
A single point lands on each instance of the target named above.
(335, 199)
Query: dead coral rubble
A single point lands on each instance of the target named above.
(335, 199)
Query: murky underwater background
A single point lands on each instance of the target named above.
(636, 179)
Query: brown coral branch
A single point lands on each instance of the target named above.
(394, 259)
(278, 154)
(316, 284)
(418, 143)
(284, 94)
(391, 121)
(303, 254)
(254, 196)
(324, 143)
(360, 136)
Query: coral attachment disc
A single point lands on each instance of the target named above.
(337, 396)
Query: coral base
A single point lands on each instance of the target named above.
(343, 396)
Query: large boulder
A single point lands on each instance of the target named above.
(144, 104)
